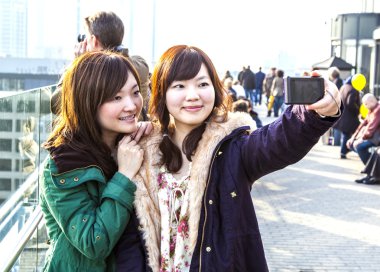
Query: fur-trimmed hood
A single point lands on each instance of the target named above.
(146, 196)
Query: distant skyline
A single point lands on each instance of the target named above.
(291, 34)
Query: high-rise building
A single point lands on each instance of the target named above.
(13, 28)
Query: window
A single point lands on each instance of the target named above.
(367, 25)
(350, 24)
(5, 144)
(5, 184)
(336, 28)
(5, 165)
(5, 125)
(26, 106)
(5, 105)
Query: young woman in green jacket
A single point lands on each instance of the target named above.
(86, 188)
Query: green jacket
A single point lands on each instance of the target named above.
(85, 215)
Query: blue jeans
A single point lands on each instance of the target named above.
(363, 150)
(278, 101)
(337, 134)
(343, 148)
(251, 95)
(258, 95)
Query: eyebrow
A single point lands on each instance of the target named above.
(203, 77)
(196, 78)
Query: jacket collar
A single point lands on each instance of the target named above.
(67, 158)
(146, 196)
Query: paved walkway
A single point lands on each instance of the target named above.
(314, 217)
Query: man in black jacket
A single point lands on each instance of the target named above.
(249, 84)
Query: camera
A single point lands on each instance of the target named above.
(81, 37)
(304, 90)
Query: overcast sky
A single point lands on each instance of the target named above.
(266, 33)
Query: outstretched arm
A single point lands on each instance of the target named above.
(290, 138)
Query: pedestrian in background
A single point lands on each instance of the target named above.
(244, 105)
(228, 75)
(240, 93)
(240, 75)
(104, 30)
(227, 83)
(260, 76)
(193, 198)
(367, 134)
(267, 85)
(349, 120)
(142, 69)
(249, 84)
(334, 76)
(277, 91)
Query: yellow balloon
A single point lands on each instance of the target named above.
(358, 81)
(363, 111)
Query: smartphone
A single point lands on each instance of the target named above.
(304, 90)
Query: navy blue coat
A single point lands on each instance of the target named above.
(228, 236)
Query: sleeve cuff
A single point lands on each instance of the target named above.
(121, 189)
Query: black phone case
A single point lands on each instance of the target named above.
(304, 90)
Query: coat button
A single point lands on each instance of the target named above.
(233, 194)
(220, 153)
(97, 237)
(84, 219)
(208, 249)
(210, 202)
(62, 181)
(76, 179)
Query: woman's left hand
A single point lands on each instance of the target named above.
(329, 105)
(144, 128)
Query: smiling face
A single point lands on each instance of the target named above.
(120, 113)
(186, 88)
(191, 101)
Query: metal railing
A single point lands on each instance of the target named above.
(26, 233)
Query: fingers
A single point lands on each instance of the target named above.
(139, 132)
(129, 156)
(149, 128)
(144, 128)
(80, 48)
(128, 146)
(329, 105)
(128, 140)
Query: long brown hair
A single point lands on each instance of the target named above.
(91, 80)
(182, 62)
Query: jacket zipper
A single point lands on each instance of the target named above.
(204, 197)
(205, 207)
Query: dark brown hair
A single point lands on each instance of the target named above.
(240, 105)
(108, 28)
(92, 79)
(182, 62)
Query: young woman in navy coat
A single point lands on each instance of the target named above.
(193, 203)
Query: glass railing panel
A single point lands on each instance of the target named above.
(25, 123)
